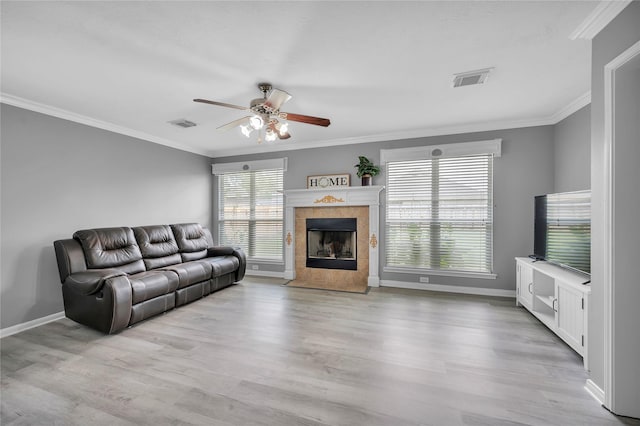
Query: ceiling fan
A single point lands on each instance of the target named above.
(266, 114)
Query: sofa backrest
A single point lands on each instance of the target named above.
(157, 245)
(192, 241)
(111, 248)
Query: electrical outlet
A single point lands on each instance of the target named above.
(424, 279)
(255, 267)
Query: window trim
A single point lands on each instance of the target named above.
(491, 147)
(250, 166)
(220, 169)
(439, 272)
(450, 150)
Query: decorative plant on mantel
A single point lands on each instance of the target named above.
(366, 169)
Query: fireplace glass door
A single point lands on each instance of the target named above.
(331, 243)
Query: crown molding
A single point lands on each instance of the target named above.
(560, 115)
(383, 137)
(573, 107)
(550, 120)
(19, 102)
(599, 18)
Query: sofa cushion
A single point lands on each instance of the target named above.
(158, 246)
(222, 265)
(190, 273)
(191, 240)
(149, 284)
(111, 248)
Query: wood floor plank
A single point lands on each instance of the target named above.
(260, 353)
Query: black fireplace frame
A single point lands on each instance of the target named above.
(332, 224)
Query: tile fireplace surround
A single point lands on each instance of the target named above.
(327, 199)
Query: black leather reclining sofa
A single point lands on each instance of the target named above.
(115, 277)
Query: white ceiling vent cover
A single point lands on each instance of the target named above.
(183, 122)
(470, 78)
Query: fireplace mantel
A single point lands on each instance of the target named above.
(328, 198)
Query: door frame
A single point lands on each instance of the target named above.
(609, 226)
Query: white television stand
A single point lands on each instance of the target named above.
(558, 298)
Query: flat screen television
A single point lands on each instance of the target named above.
(562, 230)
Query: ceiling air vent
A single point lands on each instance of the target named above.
(183, 122)
(470, 78)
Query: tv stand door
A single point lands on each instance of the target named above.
(571, 317)
(524, 277)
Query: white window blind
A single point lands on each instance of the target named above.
(250, 212)
(439, 214)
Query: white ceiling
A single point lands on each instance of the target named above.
(379, 70)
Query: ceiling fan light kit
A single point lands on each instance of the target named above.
(256, 122)
(267, 115)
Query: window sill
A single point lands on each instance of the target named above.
(265, 261)
(422, 271)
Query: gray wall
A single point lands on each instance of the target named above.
(572, 152)
(614, 39)
(59, 176)
(524, 170)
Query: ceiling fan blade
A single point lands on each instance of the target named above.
(205, 101)
(235, 123)
(324, 122)
(276, 98)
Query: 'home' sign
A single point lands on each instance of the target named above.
(328, 181)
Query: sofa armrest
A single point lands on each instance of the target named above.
(219, 251)
(242, 257)
(107, 310)
(231, 251)
(90, 281)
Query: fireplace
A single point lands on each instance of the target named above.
(331, 243)
(361, 203)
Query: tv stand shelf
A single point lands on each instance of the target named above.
(547, 300)
(556, 296)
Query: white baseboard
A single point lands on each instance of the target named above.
(30, 324)
(449, 288)
(595, 391)
(256, 273)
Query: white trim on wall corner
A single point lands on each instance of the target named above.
(19, 102)
(449, 288)
(608, 240)
(573, 107)
(599, 18)
(30, 324)
(594, 391)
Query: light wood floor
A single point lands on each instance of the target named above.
(265, 354)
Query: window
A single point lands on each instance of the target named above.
(439, 210)
(250, 212)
